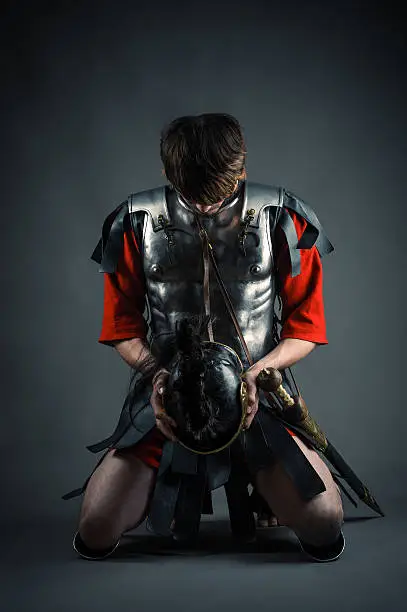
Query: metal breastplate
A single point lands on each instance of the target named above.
(174, 266)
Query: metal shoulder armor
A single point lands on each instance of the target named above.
(314, 233)
(110, 246)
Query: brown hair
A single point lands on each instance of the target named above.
(203, 156)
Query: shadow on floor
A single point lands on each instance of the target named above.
(214, 539)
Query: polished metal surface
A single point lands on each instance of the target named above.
(174, 269)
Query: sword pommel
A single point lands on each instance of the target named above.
(269, 379)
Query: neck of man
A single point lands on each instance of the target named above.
(214, 208)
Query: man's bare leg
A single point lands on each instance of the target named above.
(116, 499)
(318, 521)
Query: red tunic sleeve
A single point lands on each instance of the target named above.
(124, 295)
(303, 315)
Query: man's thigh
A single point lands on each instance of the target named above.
(280, 492)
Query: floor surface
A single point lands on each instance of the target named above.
(40, 571)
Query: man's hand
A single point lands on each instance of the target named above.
(252, 394)
(164, 422)
(287, 352)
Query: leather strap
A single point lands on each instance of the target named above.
(205, 238)
(206, 285)
(110, 245)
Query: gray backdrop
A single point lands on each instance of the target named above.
(320, 90)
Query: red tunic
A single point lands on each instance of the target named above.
(303, 314)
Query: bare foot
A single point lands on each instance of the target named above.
(266, 520)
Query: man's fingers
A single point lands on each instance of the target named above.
(163, 420)
(171, 421)
(156, 398)
(161, 382)
(164, 423)
(166, 430)
(253, 399)
(163, 416)
(250, 415)
(249, 421)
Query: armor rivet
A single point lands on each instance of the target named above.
(156, 268)
(251, 211)
(255, 268)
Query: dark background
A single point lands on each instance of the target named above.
(320, 89)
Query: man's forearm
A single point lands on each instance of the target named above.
(136, 354)
(285, 354)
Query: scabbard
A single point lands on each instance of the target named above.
(338, 462)
(310, 430)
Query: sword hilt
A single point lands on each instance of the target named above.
(295, 409)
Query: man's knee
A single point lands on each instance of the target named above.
(98, 532)
(92, 554)
(319, 522)
(327, 524)
(321, 538)
(322, 523)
